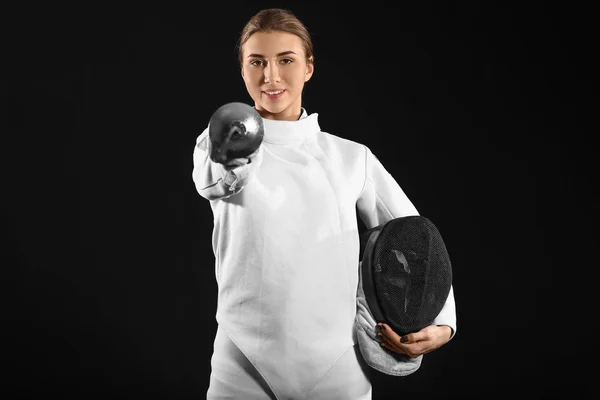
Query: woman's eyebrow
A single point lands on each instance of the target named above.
(283, 53)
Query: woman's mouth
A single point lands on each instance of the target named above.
(274, 94)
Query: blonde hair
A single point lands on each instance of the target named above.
(276, 19)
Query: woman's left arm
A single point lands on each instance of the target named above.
(381, 200)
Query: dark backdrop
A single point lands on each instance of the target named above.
(477, 111)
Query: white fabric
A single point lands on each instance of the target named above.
(286, 247)
(234, 377)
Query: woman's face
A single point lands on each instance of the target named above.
(274, 69)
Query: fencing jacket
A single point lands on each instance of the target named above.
(286, 245)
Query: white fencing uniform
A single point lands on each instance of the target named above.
(286, 247)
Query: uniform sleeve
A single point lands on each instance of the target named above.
(381, 200)
(212, 180)
(448, 314)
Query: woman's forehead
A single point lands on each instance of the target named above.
(270, 44)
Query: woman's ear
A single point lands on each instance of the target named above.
(310, 69)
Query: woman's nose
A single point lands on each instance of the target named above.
(271, 74)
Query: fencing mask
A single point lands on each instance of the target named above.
(405, 278)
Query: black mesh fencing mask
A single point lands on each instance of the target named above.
(406, 273)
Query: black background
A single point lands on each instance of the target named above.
(478, 112)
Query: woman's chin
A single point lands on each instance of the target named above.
(271, 110)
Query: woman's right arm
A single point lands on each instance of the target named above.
(214, 180)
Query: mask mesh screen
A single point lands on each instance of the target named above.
(411, 273)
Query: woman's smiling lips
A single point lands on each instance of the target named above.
(274, 94)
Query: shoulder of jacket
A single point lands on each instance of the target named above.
(342, 141)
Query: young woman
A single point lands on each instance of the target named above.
(286, 239)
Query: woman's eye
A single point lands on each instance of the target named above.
(257, 63)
